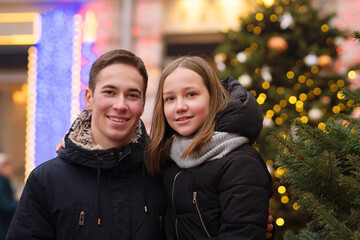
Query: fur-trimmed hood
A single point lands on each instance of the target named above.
(80, 148)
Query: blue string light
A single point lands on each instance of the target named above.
(53, 101)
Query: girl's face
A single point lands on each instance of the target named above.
(186, 101)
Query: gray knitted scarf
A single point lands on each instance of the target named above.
(217, 147)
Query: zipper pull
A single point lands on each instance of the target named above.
(161, 222)
(194, 197)
(82, 218)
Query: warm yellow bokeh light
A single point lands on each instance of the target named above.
(340, 83)
(260, 100)
(269, 113)
(280, 222)
(284, 199)
(309, 82)
(268, 3)
(317, 91)
(352, 74)
(296, 206)
(303, 97)
(283, 103)
(257, 30)
(259, 16)
(265, 85)
(281, 189)
(292, 100)
(280, 90)
(334, 88)
(279, 121)
(250, 27)
(301, 79)
(336, 109)
(304, 119)
(269, 163)
(299, 104)
(273, 18)
(314, 69)
(290, 74)
(321, 126)
(280, 171)
(324, 28)
(277, 108)
(284, 116)
(340, 95)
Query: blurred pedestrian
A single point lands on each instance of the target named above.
(8, 203)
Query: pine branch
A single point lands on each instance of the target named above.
(356, 35)
(315, 136)
(287, 146)
(352, 95)
(307, 162)
(330, 219)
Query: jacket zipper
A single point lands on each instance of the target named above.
(198, 210)
(173, 203)
(80, 224)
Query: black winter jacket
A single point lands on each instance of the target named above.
(226, 198)
(64, 197)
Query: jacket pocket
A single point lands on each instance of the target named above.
(80, 225)
(195, 202)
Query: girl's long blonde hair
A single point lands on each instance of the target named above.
(161, 133)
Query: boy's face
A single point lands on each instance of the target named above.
(117, 104)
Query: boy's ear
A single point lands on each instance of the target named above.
(88, 99)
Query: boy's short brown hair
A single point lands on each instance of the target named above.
(117, 56)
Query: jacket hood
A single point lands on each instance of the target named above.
(80, 148)
(243, 114)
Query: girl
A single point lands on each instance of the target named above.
(217, 185)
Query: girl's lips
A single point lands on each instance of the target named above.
(183, 119)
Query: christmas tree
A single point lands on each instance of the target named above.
(323, 168)
(285, 53)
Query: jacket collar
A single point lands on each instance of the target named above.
(80, 148)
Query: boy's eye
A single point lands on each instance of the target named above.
(134, 95)
(108, 92)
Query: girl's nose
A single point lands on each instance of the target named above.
(181, 106)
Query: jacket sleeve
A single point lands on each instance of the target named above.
(32, 218)
(244, 198)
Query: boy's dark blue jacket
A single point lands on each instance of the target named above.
(89, 193)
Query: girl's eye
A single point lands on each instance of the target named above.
(191, 94)
(167, 99)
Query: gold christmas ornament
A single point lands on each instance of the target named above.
(324, 61)
(277, 44)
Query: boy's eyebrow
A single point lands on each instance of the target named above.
(135, 90)
(113, 87)
(108, 86)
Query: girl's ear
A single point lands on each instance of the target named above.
(88, 99)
